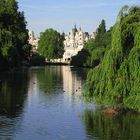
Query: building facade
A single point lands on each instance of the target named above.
(74, 42)
(33, 41)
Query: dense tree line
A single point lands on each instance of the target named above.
(115, 80)
(103, 127)
(37, 59)
(51, 44)
(14, 48)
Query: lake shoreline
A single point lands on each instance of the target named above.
(105, 110)
(118, 111)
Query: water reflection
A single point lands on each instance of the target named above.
(44, 104)
(57, 77)
(72, 79)
(57, 80)
(41, 103)
(13, 91)
(49, 78)
(102, 127)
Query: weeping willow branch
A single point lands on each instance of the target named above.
(116, 81)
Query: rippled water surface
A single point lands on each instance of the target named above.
(45, 103)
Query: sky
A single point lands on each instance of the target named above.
(62, 15)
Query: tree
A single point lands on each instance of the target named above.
(37, 60)
(51, 44)
(94, 49)
(102, 28)
(13, 34)
(80, 59)
(116, 80)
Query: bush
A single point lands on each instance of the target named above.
(37, 60)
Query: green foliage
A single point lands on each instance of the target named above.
(101, 44)
(13, 34)
(89, 45)
(94, 49)
(107, 127)
(37, 60)
(51, 44)
(116, 81)
(102, 28)
(99, 39)
(80, 59)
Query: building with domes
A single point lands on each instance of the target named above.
(74, 42)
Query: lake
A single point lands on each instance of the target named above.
(45, 103)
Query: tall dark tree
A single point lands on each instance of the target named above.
(102, 28)
(14, 46)
(100, 35)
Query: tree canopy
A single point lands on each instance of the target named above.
(14, 48)
(116, 80)
(51, 44)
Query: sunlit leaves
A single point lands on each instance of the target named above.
(51, 44)
(116, 80)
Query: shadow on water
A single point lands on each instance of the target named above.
(102, 127)
(13, 92)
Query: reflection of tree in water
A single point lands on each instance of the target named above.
(49, 78)
(123, 127)
(13, 91)
(80, 72)
(53, 77)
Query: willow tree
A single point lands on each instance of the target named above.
(116, 81)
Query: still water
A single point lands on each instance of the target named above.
(45, 103)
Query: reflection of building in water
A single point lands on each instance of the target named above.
(33, 85)
(72, 84)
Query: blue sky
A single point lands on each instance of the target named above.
(63, 14)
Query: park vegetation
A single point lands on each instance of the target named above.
(37, 59)
(14, 48)
(92, 53)
(115, 79)
(51, 45)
